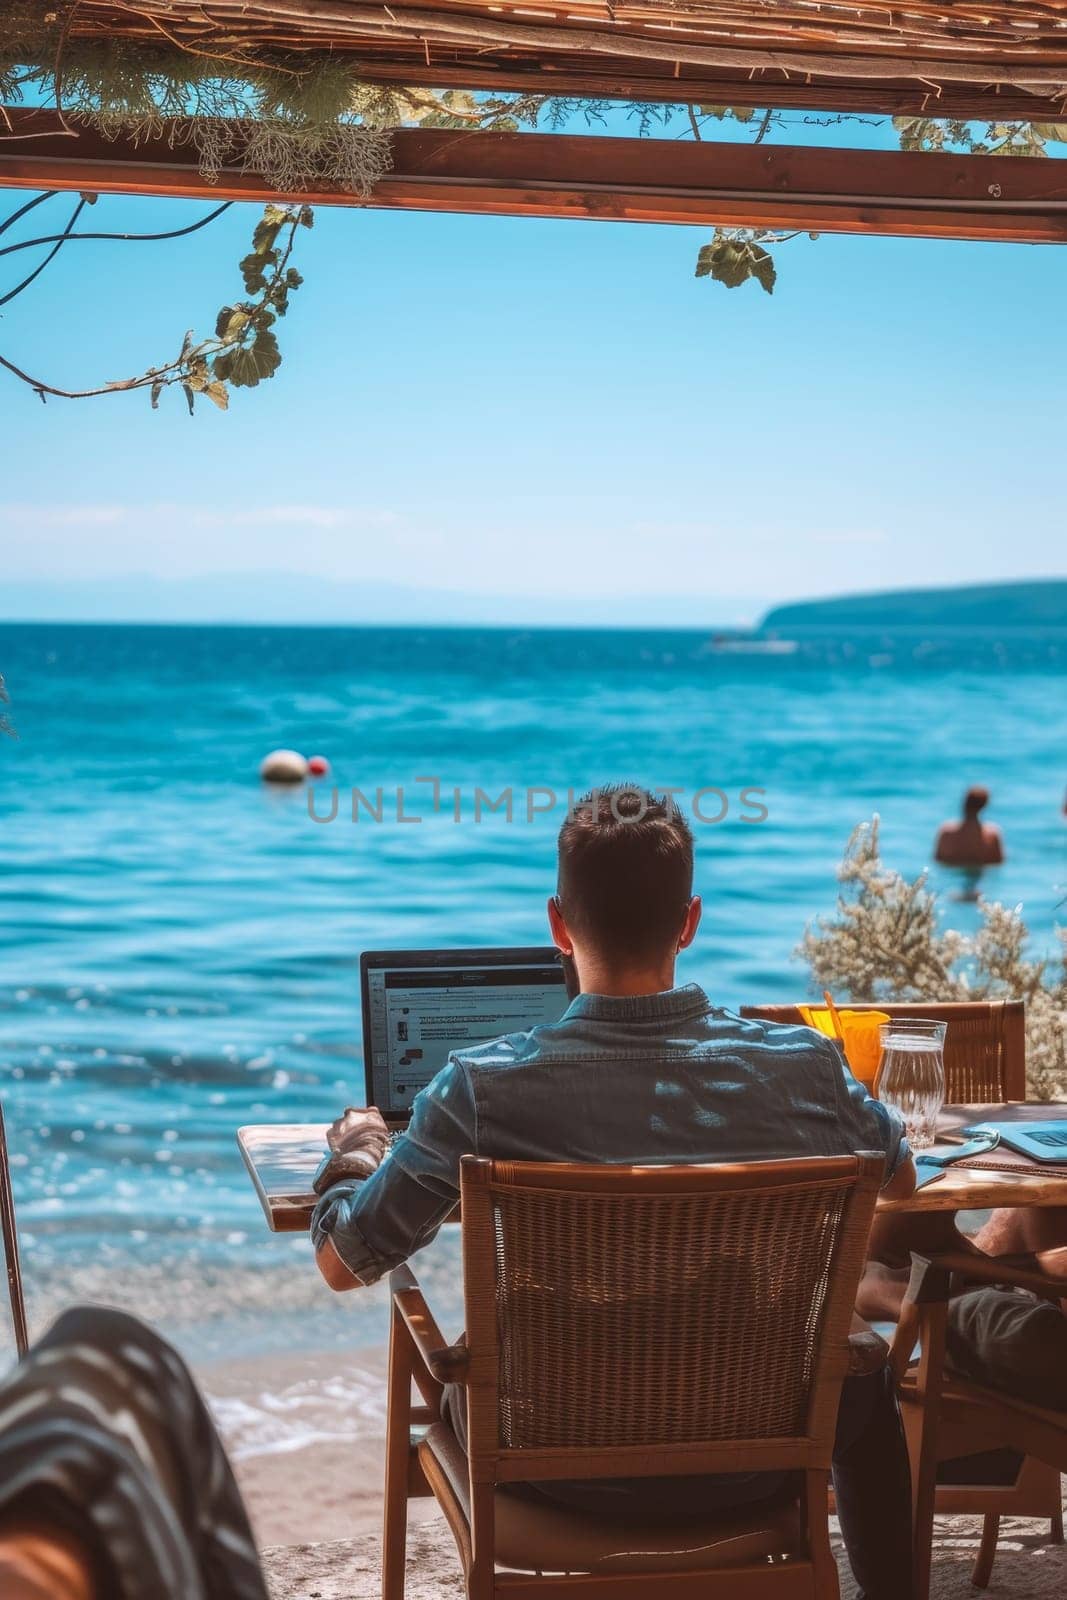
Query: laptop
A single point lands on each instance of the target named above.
(420, 1005)
(1041, 1141)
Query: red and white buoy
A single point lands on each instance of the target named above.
(284, 766)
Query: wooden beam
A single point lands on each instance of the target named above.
(631, 180)
(640, 81)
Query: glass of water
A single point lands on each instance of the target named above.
(911, 1076)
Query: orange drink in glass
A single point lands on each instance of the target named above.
(861, 1041)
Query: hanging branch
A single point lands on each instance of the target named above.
(38, 200)
(123, 238)
(735, 255)
(764, 127)
(61, 239)
(244, 349)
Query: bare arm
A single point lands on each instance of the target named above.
(333, 1269)
(902, 1183)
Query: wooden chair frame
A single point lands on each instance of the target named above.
(947, 1417)
(1005, 1020)
(419, 1354)
(9, 1227)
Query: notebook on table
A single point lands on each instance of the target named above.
(1022, 1145)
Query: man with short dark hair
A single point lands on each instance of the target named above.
(625, 891)
(637, 1072)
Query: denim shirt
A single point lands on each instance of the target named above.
(640, 1079)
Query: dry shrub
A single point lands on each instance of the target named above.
(885, 943)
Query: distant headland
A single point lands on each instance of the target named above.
(1040, 603)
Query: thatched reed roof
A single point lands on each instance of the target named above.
(996, 62)
(1002, 58)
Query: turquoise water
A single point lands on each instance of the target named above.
(179, 948)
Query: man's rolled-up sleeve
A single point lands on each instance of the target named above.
(378, 1223)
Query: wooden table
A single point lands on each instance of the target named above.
(966, 1189)
(282, 1159)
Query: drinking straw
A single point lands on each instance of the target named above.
(835, 1015)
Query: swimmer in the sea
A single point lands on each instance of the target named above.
(970, 842)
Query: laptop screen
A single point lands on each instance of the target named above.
(420, 1005)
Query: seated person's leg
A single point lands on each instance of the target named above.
(1011, 1342)
(106, 1443)
(1036, 1235)
(38, 1563)
(872, 1482)
(881, 1292)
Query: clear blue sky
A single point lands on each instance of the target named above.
(554, 412)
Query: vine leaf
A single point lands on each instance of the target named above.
(721, 113)
(247, 365)
(252, 272)
(263, 253)
(764, 270)
(231, 322)
(734, 261)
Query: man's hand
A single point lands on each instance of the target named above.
(361, 1137)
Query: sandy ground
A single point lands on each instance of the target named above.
(1027, 1566)
(306, 1434)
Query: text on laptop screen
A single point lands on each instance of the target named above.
(419, 1014)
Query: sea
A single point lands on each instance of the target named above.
(179, 942)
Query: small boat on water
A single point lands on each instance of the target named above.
(738, 645)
